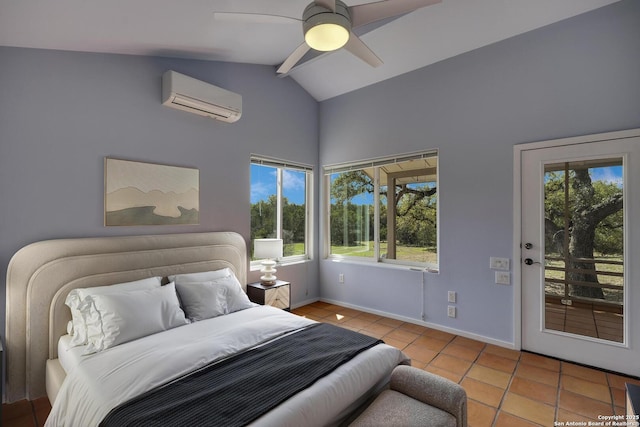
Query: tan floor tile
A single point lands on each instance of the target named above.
(443, 373)
(402, 335)
(371, 333)
(482, 392)
(390, 322)
(461, 351)
(540, 361)
(412, 327)
(530, 410)
(580, 404)
(441, 335)
(319, 312)
(565, 416)
(431, 343)
(586, 388)
(505, 419)
(420, 353)
(489, 376)
(503, 352)
(479, 415)
(618, 381)
(497, 362)
(357, 322)
(451, 363)
(347, 312)
(370, 317)
(468, 342)
(619, 396)
(589, 374)
(400, 345)
(378, 328)
(534, 390)
(535, 373)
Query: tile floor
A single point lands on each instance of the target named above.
(504, 387)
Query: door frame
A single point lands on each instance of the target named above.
(518, 150)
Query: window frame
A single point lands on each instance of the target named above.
(281, 165)
(376, 164)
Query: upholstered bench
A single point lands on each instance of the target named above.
(416, 398)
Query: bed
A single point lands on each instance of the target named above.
(87, 389)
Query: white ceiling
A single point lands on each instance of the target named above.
(191, 29)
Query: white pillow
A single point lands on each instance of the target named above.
(203, 300)
(204, 276)
(124, 317)
(76, 297)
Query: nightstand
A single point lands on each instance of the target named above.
(277, 295)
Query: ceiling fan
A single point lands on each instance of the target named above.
(328, 25)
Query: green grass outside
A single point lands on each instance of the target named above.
(616, 295)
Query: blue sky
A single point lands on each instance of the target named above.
(608, 174)
(263, 184)
(611, 175)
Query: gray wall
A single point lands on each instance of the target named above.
(61, 113)
(576, 77)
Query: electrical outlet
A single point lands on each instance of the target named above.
(451, 296)
(499, 263)
(340, 278)
(503, 278)
(451, 311)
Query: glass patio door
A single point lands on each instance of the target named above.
(580, 231)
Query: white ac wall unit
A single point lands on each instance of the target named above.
(198, 97)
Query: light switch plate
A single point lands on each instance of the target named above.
(451, 311)
(451, 296)
(499, 263)
(503, 278)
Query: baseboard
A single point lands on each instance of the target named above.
(454, 331)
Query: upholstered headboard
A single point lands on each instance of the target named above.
(40, 276)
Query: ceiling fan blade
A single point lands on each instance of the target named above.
(253, 18)
(293, 58)
(329, 4)
(366, 13)
(362, 51)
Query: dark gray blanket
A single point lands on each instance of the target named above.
(240, 389)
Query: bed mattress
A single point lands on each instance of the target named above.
(97, 383)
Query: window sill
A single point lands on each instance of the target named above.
(256, 266)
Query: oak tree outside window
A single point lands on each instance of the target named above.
(280, 205)
(363, 224)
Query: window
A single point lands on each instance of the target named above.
(280, 205)
(362, 224)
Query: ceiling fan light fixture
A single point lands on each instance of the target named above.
(327, 37)
(325, 30)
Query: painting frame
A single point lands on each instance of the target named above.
(140, 193)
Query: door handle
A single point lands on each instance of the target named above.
(529, 261)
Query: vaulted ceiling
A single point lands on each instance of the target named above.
(194, 29)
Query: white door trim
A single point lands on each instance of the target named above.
(518, 149)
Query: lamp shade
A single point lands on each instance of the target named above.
(267, 248)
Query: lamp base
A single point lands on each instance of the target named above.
(268, 278)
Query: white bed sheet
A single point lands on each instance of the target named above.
(103, 381)
(68, 355)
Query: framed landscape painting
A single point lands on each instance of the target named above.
(138, 193)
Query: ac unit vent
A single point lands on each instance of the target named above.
(198, 97)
